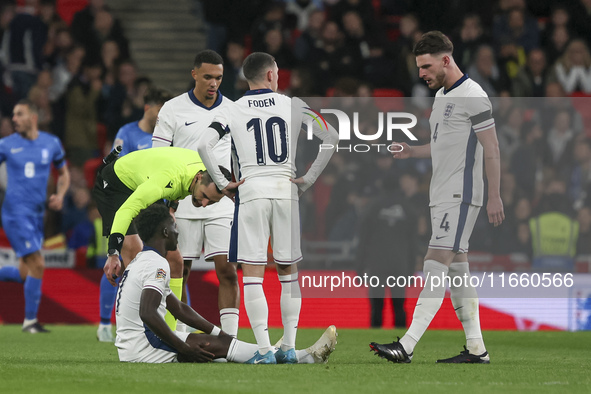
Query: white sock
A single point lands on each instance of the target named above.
(465, 302)
(229, 321)
(104, 325)
(304, 357)
(257, 311)
(291, 304)
(428, 303)
(28, 322)
(241, 352)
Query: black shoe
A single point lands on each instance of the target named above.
(392, 352)
(35, 328)
(466, 358)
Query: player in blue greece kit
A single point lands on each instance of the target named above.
(463, 136)
(131, 137)
(29, 154)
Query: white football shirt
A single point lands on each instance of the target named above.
(148, 270)
(265, 126)
(180, 123)
(457, 115)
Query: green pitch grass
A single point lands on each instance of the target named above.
(71, 360)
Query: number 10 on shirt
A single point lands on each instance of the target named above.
(275, 136)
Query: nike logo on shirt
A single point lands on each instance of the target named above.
(437, 237)
(140, 147)
(16, 150)
(189, 124)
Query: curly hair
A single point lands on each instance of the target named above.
(149, 220)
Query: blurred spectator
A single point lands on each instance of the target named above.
(110, 55)
(584, 240)
(301, 83)
(581, 12)
(82, 100)
(234, 84)
(75, 207)
(272, 19)
(333, 60)
(124, 104)
(300, 11)
(514, 236)
(387, 242)
(39, 95)
(557, 45)
(554, 233)
(531, 80)
(580, 174)
(519, 27)
(485, 72)
(471, 36)
(555, 102)
(95, 24)
(22, 49)
(560, 141)
(65, 71)
(362, 7)
(511, 58)
(275, 46)
(559, 18)
(573, 69)
(509, 133)
(61, 44)
(527, 161)
(311, 37)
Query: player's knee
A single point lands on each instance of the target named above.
(35, 264)
(227, 273)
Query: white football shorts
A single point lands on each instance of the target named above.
(211, 235)
(148, 348)
(452, 225)
(257, 220)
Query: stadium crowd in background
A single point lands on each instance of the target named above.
(86, 85)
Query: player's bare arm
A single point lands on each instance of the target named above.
(56, 200)
(187, 315)
(492, 164)
(402, 150)
(149, 304)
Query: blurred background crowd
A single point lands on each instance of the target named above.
(82, 75)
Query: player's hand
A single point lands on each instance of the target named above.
(195, 353)
(56, 202)
(400, 150)
(112, 269)
(302, 184)
(494, 209)
(230, 190)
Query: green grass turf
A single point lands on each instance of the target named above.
(71, 360)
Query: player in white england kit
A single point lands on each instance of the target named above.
(264, 126)
(462, 134)
(181, 122)
(144, 295)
